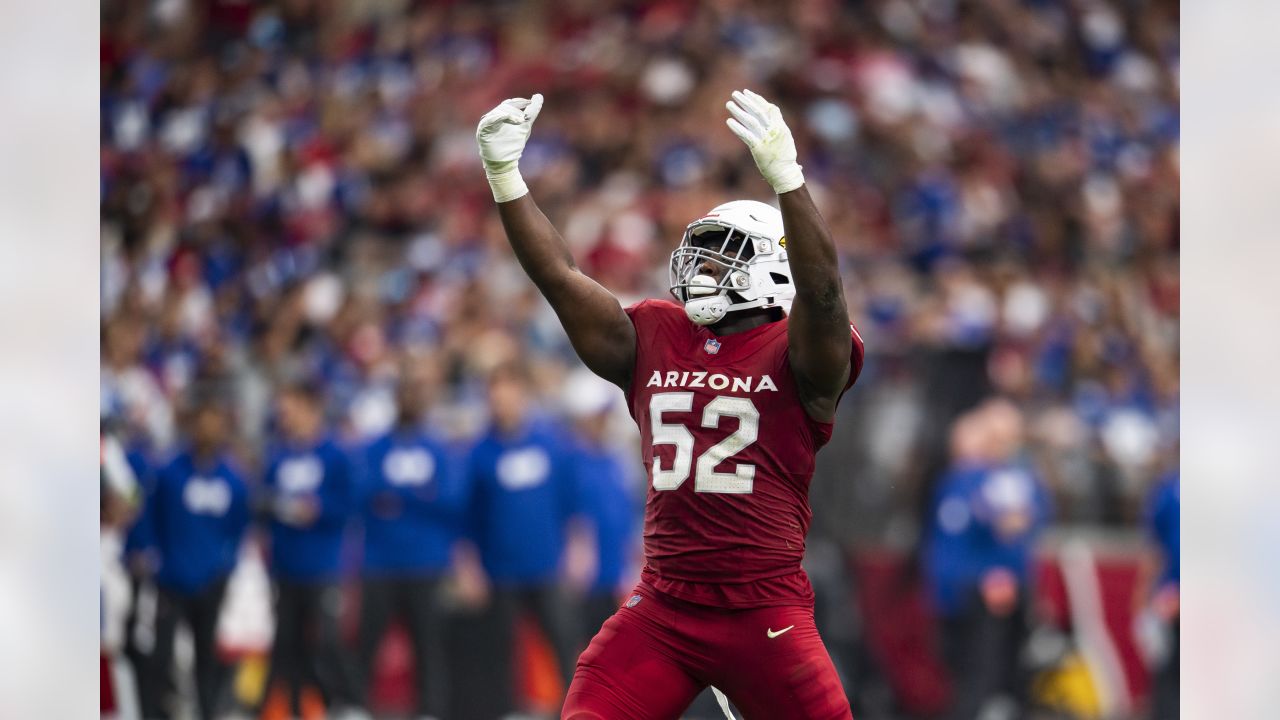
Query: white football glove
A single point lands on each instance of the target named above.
(759, 124)
(501, 135)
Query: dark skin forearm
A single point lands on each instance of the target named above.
(818, 326)
(598, 328)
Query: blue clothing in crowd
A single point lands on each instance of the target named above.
(197, 513)
(984, 518)
(411, 495)
(522, 490)
(1164, 524)
(139, 538)
(322, 471)
(613, 509)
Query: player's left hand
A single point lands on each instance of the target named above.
(759, 124)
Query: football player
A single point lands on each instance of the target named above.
(734, 387)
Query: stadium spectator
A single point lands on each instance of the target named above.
(989, 510)
(1162, 519)
(412, 497)
(141, 561)
(310, 500)
(198, 511)
(118, 495)
(608, 495)
(141, 554)
(521, 484)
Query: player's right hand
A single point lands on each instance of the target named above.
(501, 135)
(759, 124)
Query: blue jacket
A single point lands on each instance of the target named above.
(1164, 525)
(323, 471)
(411, 496)
(198, 514)
(983, 518)
(140, 539)
(521, 489)
(613, 509)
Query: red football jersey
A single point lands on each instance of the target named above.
(729, 451)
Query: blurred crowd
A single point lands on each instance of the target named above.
(299, 252)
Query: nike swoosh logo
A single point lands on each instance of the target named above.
(772, 634)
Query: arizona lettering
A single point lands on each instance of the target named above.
(715, 381)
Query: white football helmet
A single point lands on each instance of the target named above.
(745, 239)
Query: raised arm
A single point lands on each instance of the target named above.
(599, 329)
(818, 326)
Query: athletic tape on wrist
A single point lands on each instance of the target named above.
(507, 186)
(789, 180)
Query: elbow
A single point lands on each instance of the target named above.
(555, 282)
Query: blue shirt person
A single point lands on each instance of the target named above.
(308, 486)
(142, 558)
(308, 481)
(985, 518)
(521, 486)
(411, 495)
(952, 565)
(987, 513)
(1159, 626)
(613, 510)
(198, 512)
(609, 491)
(1163, 522)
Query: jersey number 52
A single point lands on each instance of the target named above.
(706, 479)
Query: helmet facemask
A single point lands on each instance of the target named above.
(707, 298)
(751, 266)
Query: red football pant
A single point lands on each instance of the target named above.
(649, 662)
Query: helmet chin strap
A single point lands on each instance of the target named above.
(711, 310)
(709, 304)
(707, 310)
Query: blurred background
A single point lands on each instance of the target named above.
(353, 466)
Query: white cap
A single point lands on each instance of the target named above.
(586, 395)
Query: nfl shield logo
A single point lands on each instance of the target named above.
(712, 346)
(633, 601)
